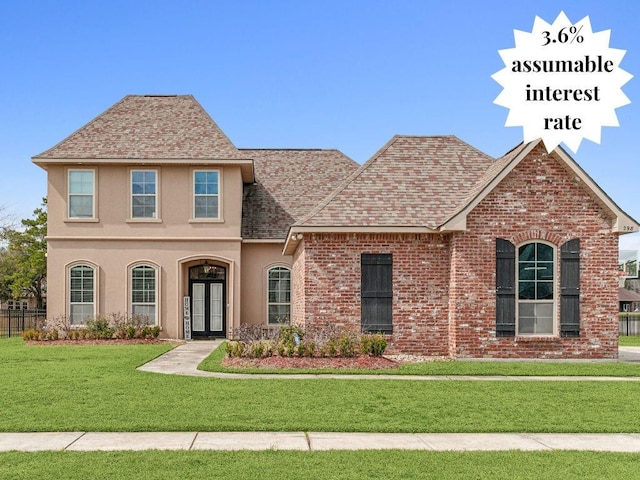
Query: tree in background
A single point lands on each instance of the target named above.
(23, 258)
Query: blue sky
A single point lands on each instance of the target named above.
(344, 74)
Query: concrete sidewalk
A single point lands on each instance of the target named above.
(184, 360)
(316, 441)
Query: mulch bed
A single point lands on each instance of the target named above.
(276, 362)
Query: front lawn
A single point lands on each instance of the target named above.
(630, 341)
(97, 388)
(151, 465)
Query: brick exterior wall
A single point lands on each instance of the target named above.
(331, 263)
(298, 285)
(444, 285)
(538, 200)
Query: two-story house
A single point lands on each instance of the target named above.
(150, 203)
(446, 250)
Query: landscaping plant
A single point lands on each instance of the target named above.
(256, 341)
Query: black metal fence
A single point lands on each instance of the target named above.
(629, 323)
(14, 322)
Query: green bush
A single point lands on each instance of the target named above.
(257, 350)
(373, 344)
(236, 349)
(31, 334)
(348, 345)
(98, 328)
(257, 341)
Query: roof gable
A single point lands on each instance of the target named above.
(147, 127)
(623, 223)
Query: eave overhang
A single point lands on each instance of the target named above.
(297, 233)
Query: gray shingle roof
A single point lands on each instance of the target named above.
(411, 182)
(625, 295)
(148, 127)
(288, 184)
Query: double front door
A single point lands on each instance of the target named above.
(207, 292)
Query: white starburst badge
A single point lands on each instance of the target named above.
(562, 82)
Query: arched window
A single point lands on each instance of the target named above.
(82, 287)
(279, 295)
(536, 289)
(143, 285)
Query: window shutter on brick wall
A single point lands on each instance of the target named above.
(376, 292)
(570, 288)
(505, 288)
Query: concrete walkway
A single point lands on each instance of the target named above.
(184, 360)
(315, 441)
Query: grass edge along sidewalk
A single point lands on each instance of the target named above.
(347, 465)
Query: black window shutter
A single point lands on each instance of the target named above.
(570, 288)
(376, 292)
(505, 288)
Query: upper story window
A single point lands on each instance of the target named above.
(81, 193)
(82, 287)
(143, 194)
(536, 287)
(206, 198)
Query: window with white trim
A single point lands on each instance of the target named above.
(206, 198)
(82, 286)
(80, 198)
(143, 285)
(536, 289)
(17, 304)
(279, 295)
(143, 194)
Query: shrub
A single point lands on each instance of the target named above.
(98, 328)
(257, 350)
(103, 328)
(155, 331)
(40, 335)
(31, 334)
(328, 340)
(348, 345)
(307, 349)
(373, 344)
(236, 349)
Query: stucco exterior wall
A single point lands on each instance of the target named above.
(257, 259)
(112, 259)
(175, 200)
(173, 241)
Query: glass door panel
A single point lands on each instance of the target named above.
(198, 307)
(216, 307)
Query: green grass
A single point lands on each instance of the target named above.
(631, 341)
(96, 388)
(458, 367)
(153, 465)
